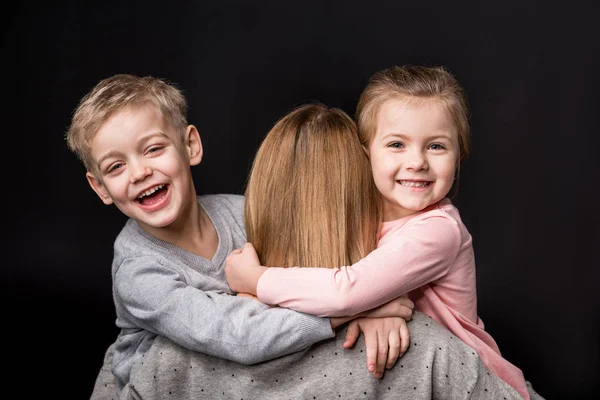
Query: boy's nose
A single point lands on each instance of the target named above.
(138, 173)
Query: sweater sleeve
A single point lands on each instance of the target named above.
(419, 253)
(156, 298)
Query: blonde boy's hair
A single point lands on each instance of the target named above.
(416, 82)
(310, 199)
(116, 93)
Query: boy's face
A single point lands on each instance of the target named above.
(413, 155)
(144, 168)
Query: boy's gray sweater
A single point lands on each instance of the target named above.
(161, 289)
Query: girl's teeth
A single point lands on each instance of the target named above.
(414, 184)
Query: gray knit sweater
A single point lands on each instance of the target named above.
(161, 289)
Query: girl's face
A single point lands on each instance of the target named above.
(413, 155)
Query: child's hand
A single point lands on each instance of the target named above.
(248, 296)
(386, 339)
(399, 307)
(243, 269)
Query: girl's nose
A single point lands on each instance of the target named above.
(416, 161)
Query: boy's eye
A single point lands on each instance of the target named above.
(154, 149)
(436, 146)
(114, 167)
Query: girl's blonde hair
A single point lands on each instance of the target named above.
(114, 94)
(416, 82)
(310, 199)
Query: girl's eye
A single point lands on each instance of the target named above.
(396, 145)
(436, 146)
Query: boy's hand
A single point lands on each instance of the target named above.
(386, 339)
(399, 307)
(243, 269)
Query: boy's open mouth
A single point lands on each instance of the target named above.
(153, 195)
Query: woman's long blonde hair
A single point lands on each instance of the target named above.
(310, 198)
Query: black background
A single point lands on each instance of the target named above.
(528, 192)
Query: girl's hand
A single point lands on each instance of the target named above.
(386, 339)
(243, 269)
(248, 296)
(252, 297)
(399, 307)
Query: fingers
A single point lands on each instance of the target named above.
(351, 335)
(248, 295)
(250, 254)
(399, 307)
(404, 300)
(236, 251)
(404, 338)
(405, 312)
(372, 349)
(382, 353)
(247, 246)
(386, 339)
(394, 340)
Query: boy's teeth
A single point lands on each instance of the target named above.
(414, 184)
(150, 191)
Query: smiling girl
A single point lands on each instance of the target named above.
(413, 125)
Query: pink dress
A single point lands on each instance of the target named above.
(428, 255)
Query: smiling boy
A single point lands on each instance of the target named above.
(132, 135)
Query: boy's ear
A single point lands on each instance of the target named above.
(99, 188)
(193, 145)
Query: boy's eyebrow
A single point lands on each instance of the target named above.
(151, 135)
(109, 154)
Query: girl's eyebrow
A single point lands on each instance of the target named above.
(433, 136)
(446, 136)
(389, 135)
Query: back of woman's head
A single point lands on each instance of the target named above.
(310, 199)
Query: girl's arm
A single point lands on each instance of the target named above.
(420, 252)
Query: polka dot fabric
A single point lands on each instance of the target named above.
(436, 366)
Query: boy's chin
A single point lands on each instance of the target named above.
(144, 219)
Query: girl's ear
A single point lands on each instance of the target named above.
(98, 187)
(193, 145)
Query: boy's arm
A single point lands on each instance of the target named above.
(422, 253)
(158, 299)
(386, 339)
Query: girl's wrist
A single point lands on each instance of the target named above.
(259, 271)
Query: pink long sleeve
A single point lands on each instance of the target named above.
(428, 256)
(421, 251)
